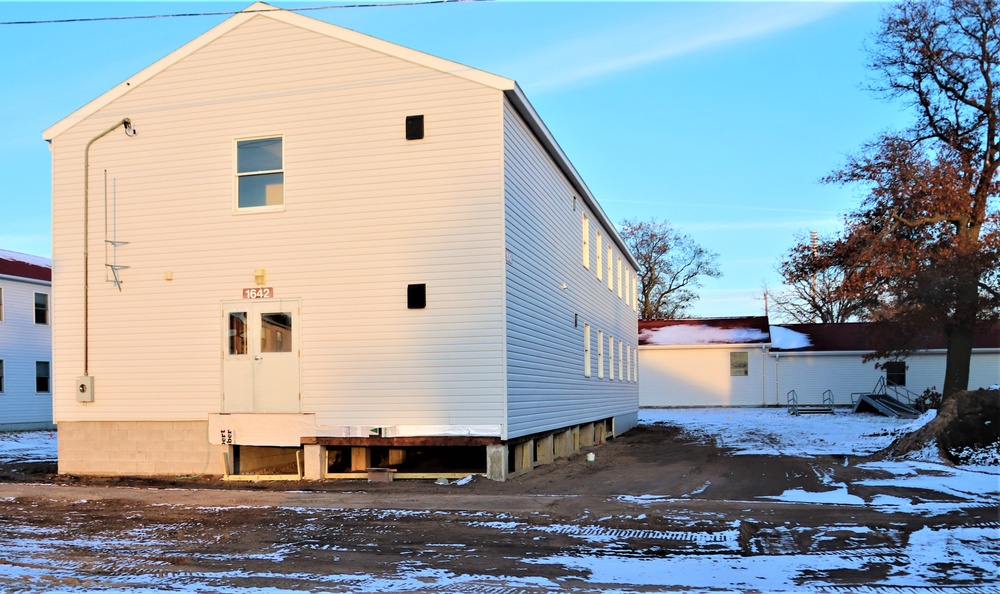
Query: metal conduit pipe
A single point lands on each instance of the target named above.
(129, 131)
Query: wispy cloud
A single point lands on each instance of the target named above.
(671, 31)
(769, 224)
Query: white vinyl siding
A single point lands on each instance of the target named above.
(22, 343)
(700, 376)
(365, 214)
(545, 389)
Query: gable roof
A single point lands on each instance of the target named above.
(708, 331)
(262, 10)
(21, 265)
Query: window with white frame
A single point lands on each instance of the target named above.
(43, 375)
(1, 304)
(599, 250)
(611, 357)
(260, 176)
(586, 350)
(739, 364)
(635, 293)
(619, 283)
(600, 350)
(586, 240)
(41, 309)
(611, 277)
(621, 361)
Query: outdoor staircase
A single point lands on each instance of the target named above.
(887, 400)
(801, 409)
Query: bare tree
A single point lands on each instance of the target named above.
(671, 266)
(821, 296)
(926, 238)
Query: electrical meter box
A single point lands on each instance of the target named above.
(85, 388)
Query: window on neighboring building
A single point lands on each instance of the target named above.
(42, 377)
(1, 376)
(586, 241)
(586, 350)
(260, 177)
(1, 304)
(739, 363)
(895, 373)
(599, 250)
(635, 293)
(41, 308)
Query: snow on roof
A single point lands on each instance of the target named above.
(784, 338)
(25, 266)
(751, 330)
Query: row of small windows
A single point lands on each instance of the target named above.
(628, 357)
(618, 275)
(41, 308)
(43, 377)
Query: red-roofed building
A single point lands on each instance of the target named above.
(25, 342)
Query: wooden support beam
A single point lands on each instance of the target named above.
(402, 442)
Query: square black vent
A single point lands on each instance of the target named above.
(414, 127)
(416, 296)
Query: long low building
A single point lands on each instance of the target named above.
(748, 362)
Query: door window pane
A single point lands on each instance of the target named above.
(238, 333)
(276, 333)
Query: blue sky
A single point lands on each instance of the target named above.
(720, 117)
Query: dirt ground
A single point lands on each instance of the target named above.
(651, 493)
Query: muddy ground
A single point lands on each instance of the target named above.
(653, 493)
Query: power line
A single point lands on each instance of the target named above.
(232, 12)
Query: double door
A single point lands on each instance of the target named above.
(260, 356)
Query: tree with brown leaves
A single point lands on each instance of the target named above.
(925, 241)
(671, 266)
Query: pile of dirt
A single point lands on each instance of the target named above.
(966, 430)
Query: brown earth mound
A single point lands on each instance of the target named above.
(966, 423)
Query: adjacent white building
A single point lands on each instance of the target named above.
(747, 362)
(287, 237)
(25, 342)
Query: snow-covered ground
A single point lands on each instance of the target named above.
(937, 557)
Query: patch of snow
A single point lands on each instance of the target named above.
(28, 446)
(774, 432)
(783, 338)
(700, 334)
(26, 258)
(838, 496)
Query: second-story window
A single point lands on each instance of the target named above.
(41, 308)
(260, 178)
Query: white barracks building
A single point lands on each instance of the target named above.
(290, 247)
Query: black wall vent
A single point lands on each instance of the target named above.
(416, 296)
(414, 127)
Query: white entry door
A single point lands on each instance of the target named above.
(260, 356)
